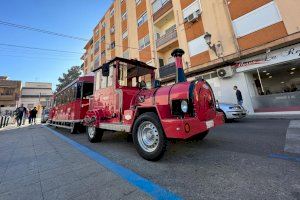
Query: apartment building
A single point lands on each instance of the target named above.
(9, 92)
(252, 44)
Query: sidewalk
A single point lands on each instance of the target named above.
(35, 164)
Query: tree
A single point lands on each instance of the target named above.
(67, 78)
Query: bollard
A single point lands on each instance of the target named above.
(1, 121)
(7, 121)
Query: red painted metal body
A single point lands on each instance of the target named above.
(69, 105)
(117, 107)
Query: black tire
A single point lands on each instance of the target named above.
(224, 116)
(97, 136)
(161, 142)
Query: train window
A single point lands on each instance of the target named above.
(107, 81)
(87, 89)
(78, 92)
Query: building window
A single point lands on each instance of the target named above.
(158, 4)
(96, 63)
(126, 54)
(258, 19)
(112, 45)
(125, 35)
(97, 31)
(144, 42)
(103, 25)
(96, 47)
(112, 30)
(193, 8)
(142, 19)
(124, 15)
(103, 54)
(137, 2)
(112, 12)
(197, 46)
(102, 39)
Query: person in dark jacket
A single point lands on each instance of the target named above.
(20, 114)
(239, 96)
(33, 113)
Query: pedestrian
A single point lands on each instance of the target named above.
(239, 96)
(33, 115)
(29, 117)
(20, 113)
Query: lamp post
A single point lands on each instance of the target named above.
(215, 47)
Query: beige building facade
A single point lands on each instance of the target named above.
(246, 39)
(36, 94)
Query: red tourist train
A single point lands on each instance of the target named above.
(127, 98)
(71, 104)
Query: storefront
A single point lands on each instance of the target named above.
(273, 80)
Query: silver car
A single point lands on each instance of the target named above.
(45, 116)
(231, 111)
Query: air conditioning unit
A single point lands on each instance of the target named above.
(193, 17)
(225, 72)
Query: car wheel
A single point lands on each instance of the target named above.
(224, 116)
(94, 134)
(149, 137)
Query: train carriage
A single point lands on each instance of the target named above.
(71, 104)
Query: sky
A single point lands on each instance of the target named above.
(70, 17)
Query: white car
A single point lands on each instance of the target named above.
(231, 111)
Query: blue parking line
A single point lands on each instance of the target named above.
(285, 157)
(152, 189)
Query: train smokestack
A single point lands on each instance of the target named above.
(180, 76)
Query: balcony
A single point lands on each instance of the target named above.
(4, 97)
(160, 7)
(167, 70)
(168, 38)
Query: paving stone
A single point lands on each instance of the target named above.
(58, 181)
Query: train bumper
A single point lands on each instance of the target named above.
(189, 127)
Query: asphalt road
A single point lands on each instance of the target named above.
(232, 162)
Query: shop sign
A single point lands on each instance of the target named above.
(278, 56)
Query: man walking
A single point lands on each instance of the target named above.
(239, 96)
(20, 113)
(33, 115)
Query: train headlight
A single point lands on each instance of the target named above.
(184, 106)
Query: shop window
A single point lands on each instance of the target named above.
(276, 88)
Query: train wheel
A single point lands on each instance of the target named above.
(94, 134)
(149, 137)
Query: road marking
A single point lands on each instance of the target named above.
(292, 142)
(285, 157)
(152, 189)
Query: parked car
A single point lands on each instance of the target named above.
(45, 116)
(231, 111)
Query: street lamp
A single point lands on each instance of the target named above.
(217, 48)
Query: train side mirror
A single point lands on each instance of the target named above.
(105, 70)
(157, 84)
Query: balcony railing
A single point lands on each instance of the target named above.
(5, 97)
(172, 34)
(160, 7)
(167, 70)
